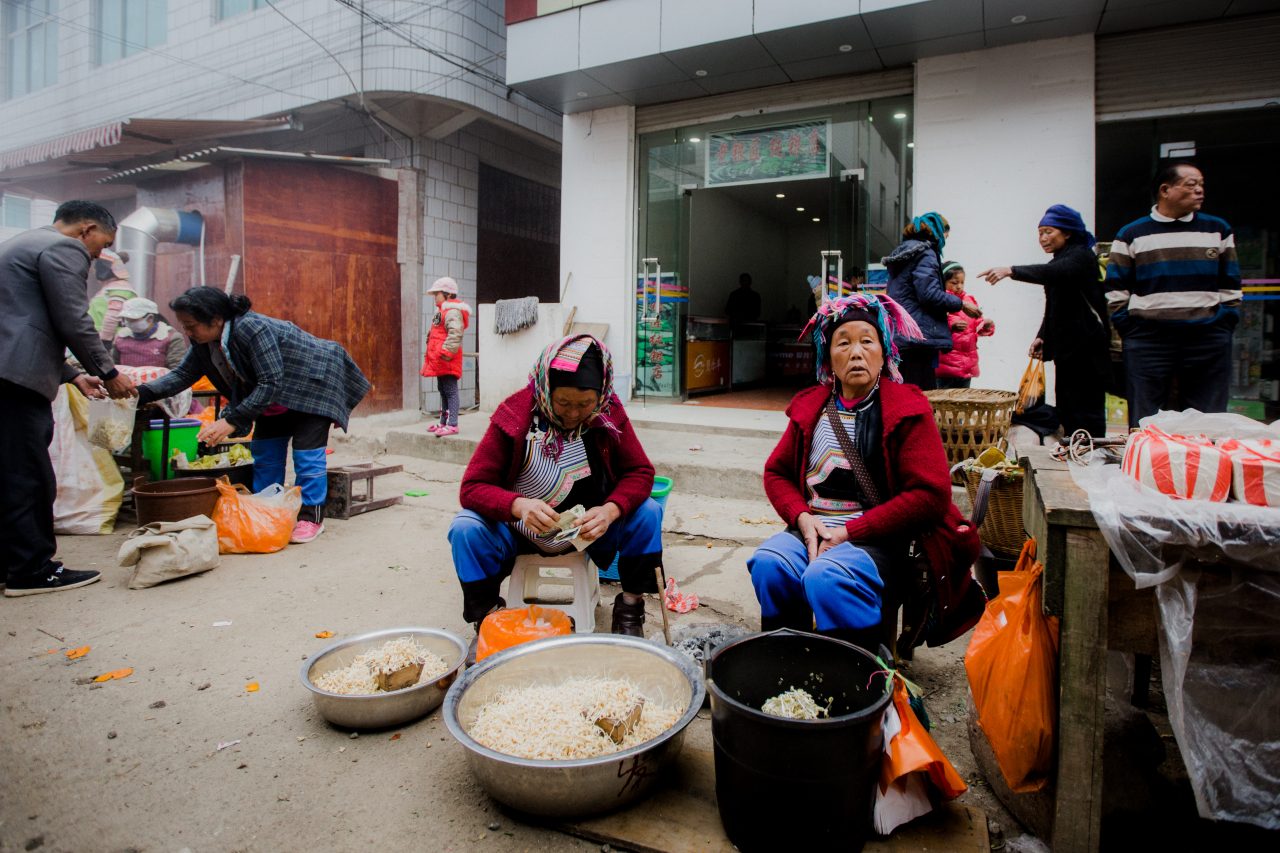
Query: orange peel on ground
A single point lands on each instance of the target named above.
(323, 635)
(114, 674)
(76, 654)
(251, 687)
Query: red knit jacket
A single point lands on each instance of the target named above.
(486, 484)
(914, 460)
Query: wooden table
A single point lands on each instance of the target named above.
(1099, 609)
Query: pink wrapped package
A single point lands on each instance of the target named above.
(1184, 467)
(1255, 470)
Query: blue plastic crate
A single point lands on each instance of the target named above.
(661, 489)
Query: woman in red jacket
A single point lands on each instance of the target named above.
(860, 471)
(563, 441)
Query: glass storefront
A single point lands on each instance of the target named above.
(1239, 154)
(788, 200)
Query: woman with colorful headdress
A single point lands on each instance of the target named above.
(562, 441)
(915, 283)
(858, 474)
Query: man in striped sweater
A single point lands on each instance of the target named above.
(1173, 288)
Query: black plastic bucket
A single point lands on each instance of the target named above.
(788, 784)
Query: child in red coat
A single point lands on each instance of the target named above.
(957, 367)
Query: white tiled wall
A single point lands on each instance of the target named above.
(258, 63)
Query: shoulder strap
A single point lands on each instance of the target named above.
(852, 456)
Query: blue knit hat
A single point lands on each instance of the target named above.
(1067, 219)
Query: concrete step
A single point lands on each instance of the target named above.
(728, 461)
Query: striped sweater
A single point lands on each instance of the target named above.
(1173, 270)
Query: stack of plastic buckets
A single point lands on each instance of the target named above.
(661, 489)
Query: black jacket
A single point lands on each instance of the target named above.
(1075, 321)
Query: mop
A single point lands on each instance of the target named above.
(512, 315)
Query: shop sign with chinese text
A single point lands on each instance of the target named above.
(788, 153)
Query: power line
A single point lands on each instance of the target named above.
(359, 91)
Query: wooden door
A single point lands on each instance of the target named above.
(320, 251)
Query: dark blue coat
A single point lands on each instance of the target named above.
(915, 283)
(275, 362)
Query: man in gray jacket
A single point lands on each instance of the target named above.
(46, 311)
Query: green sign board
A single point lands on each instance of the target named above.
(787, 153)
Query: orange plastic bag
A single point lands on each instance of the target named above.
(1031, 388)
(1012, 663)
(914, 773)
(503, 629)
(255, 524)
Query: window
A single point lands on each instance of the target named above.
(227, 8)
(15, 211)
(30, 45)
(126, 27)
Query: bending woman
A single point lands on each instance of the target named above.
(283, 383)
(564, 440)
(859, 472)
(1075, 334)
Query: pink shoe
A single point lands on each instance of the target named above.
(446, 430)
(434, 428)
(305, 531)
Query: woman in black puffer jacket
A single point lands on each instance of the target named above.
(1075, 334)
(915, 283)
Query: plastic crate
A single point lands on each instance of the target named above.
(661, 489)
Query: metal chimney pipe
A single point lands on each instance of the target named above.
(142, 231)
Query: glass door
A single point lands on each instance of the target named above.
(844, 262)
(662, 289)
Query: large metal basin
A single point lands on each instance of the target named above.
(382, 710)
(583, 786)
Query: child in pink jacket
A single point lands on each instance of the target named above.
(957, 368)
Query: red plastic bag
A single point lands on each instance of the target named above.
(914, 773)
(255, 524)
(503, 629)
(1012, 662)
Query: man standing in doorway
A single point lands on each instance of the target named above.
(744, 303)
(46, 311)
(1173, 288)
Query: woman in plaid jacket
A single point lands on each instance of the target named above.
(283, 383)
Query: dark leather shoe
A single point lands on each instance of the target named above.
(628, 619)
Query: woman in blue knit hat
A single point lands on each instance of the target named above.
(915, 283)
(1075, 334)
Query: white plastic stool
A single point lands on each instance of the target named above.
(529, 576)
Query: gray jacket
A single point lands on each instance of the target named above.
(44, 309)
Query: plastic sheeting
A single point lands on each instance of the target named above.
(1216, 569)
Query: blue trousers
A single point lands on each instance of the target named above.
(840, 590)
(484, 552)
(270, 445)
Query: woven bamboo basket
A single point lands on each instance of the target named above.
(971, 420)
(1001, 530)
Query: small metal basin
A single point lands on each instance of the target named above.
(382, 710)
(583, 786)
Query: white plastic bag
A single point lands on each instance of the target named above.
(111, 423)
(89, 483)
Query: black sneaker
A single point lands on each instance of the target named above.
(59, 579)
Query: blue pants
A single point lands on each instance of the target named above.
(484, 552)
(840, 590)
(270, 444)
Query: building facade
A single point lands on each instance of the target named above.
(791, 141)
(111, 99)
